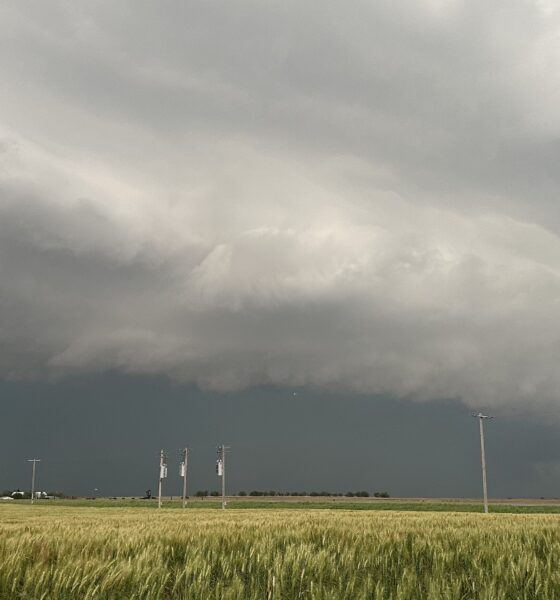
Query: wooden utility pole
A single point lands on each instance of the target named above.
(221, 470)
(162, 474)
(34, 461)
(184, 468)
(480, 418)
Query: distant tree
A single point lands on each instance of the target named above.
(201, 493)
(349, 494)
(242, 493)
(381, 495)
(214, 493)
(362, 494)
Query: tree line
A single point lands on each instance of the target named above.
(359, 494)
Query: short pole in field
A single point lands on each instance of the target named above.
(34, 461)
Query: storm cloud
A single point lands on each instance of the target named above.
(354, 198)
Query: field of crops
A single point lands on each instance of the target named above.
(119, 553)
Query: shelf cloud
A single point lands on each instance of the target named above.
(238, 194)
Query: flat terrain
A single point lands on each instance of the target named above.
(513, 506)
(72, 552)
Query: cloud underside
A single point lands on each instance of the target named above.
(241, 195)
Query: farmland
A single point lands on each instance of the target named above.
(77, 552)
(510, 506)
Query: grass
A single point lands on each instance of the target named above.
(333, 504)
(71, 552)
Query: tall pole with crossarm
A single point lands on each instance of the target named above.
(481, 418)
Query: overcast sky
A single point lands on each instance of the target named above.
(244, 197)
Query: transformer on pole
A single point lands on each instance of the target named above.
(183, 473)
(221, 470)
(162, 473)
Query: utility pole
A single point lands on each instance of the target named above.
(34, 461)
(221, 470)
(183, 473)
(162, 474)
(481, 418)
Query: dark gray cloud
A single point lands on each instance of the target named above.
(239, 194)
(105, 432)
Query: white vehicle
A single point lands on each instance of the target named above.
(6, 498)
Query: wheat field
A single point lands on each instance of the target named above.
(121, 553)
